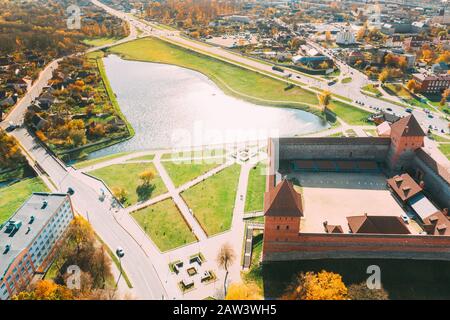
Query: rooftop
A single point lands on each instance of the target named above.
(407, 127)
(24, 225)
(283, 200)
(404, 186)
(377, 224)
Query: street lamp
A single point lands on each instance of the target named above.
(120, 254)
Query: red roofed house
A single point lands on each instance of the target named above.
(404, 186)
(377, 224)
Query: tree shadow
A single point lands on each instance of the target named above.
(144, 191)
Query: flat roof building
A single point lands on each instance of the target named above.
(28, 237)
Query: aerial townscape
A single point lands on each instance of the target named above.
(224, 149)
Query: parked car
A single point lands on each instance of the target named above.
(405, 218)
(409, 110)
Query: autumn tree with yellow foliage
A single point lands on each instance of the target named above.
(317, 286)
(242, 291)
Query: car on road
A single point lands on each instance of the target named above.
(405, 218)
(11, 127)
(409, 110)
(389, 109)
(120, 252)
(70, 191)
(331, 82)
(430, 116)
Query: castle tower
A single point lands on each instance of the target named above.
(406, 137)
(282, 213)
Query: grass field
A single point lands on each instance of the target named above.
(148, 157)
(180, 173)
(255, 190)
(165, 225)
(97, 42)
(212, 200)
(445, 149)
(347, 80)
(372, 89)
(126, 176)
(351, 115)
(12, 197)
(91, 162)
(234, 80)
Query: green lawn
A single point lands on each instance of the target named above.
(202, 153)
(255, 190)
(180, 173)
(97, 42)
(372, 89)
(165, 225)
(350, 114)
(91, 162)
(347, 80)
(445, 149)
(212, 200)
(234, 80)
(126, 176)
(400, 91)
(437, 138)
(147, 157)
(12, 197)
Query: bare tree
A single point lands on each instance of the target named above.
(225, 259)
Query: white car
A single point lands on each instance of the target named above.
(405, 218)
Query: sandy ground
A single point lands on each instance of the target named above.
(333, 197)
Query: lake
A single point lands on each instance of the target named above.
(172, 107)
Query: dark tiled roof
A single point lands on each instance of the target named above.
(437, 224)
(404, 186)
(377, 224)
(433, 164)
(407, 127)
(283, 201)
(333, 229)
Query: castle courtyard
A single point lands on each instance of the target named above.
(333, 196)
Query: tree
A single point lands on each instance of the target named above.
(445, 96)
(412, 85)
(317, 286)
(360, 291)
(242, 291)
(324, 99)
(328, 36)
(120, 193)
(384, 76)
(225, 259)
(147, 176)
(45, 290)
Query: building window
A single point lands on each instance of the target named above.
(287, 227)
(278, 227)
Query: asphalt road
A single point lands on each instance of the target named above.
(137, 265)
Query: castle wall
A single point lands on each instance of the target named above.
(374, 149)
(434, 183)
(328, 246)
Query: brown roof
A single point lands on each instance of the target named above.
(437, 224)
(377, 224)
(407, 127)
(283, 201)
(433, 164)
(333, 229)
(404, 186)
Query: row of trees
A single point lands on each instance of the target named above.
(322, 285)
(10, 154)
(189, 13)
(41, 26)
